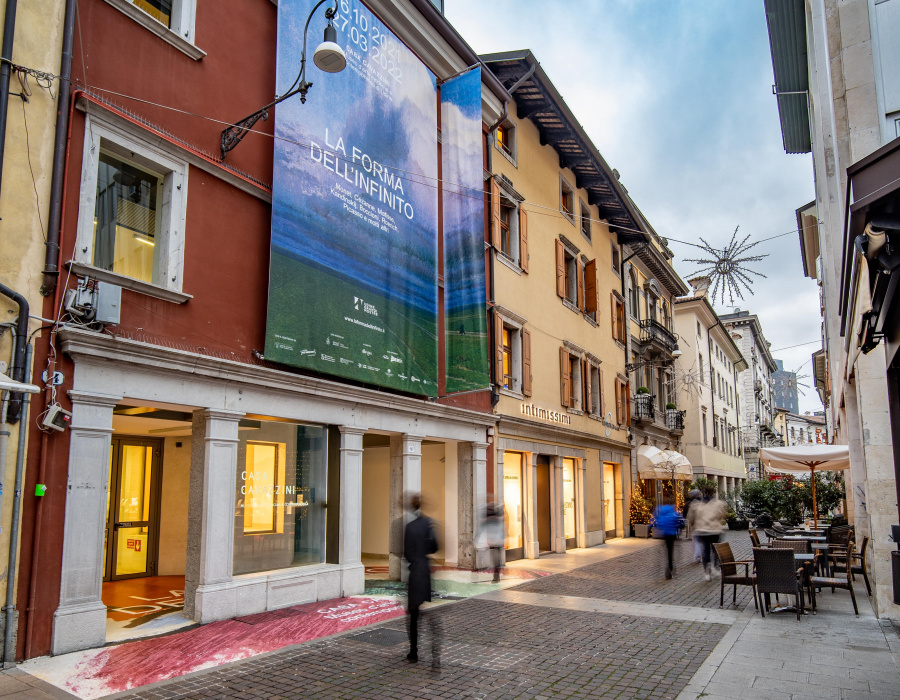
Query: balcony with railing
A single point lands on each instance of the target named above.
(655, 333)
(644, 408)
(675, 420)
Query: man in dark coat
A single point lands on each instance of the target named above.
(418, 542)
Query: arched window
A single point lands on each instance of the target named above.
(634, 295)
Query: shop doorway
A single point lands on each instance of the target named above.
(611, 498)
(542, 489)
(568, 489)
(512, 505)
(132, 509)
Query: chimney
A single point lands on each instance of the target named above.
(700, 285)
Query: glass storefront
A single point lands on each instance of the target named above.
(512, 498)
(280, 497)
(568, 478)
(609, 497)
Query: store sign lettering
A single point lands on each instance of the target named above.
(529, 409)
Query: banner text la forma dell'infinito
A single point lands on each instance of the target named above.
(353, 272)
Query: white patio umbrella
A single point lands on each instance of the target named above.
(830, 458)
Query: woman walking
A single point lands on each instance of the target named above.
(706, 518)
(667, 521)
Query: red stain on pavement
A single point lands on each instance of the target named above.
(135, 664)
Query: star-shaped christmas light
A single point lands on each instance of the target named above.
(687, 381)
(727, 268)
(790, 383)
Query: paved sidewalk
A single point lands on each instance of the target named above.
(611, 628)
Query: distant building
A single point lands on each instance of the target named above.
(801, 429)
(785, 389)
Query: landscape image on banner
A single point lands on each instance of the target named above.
(465, 297)
(353, 272)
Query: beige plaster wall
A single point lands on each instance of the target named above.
(376, 488)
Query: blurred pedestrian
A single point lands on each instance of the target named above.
(694, 496)
(493, 527)
(419, 542)
(667, 520)
(707, 517)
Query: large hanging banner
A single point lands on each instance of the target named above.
(465, 307)
(353, 271)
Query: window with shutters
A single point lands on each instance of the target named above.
(594, 400)
(618, 318)
(571, 369)
(616, 259)
(567, 199)
(509, 226)
(622, 398)
(506, 141)
(512, 371)
(576, 280)
(634, 296)
(585, 220)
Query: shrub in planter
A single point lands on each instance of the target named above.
(671, 406)
(642, 390)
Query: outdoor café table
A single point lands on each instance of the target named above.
(811, 538)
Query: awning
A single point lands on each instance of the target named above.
(7, 384)
(654, 463)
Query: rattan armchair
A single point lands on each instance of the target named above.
(842, 579)
(776, 573)
(857, 564)
(731, 575)
(754, 539)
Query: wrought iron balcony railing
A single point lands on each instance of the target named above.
(644, 408)
(655, 332)
(675, 419)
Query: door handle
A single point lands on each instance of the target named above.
(118, 525)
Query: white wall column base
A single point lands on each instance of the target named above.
(406, 479)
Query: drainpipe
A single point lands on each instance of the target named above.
(51, 259)
(9, 652)
(9, 31)
(19, 360)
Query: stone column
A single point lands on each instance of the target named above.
(529, 507)
(80, 620)
(557, 511)
(350, 524)
(580, 505)
(472, 464)
(406, 478)
(208, 595)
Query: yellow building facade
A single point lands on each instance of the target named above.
(562, 453)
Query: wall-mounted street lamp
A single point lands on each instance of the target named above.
(328, 57)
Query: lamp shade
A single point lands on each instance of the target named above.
(328, 56)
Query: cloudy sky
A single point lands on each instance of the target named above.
(677, 96)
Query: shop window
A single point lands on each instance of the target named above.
(585, 220)
(280, 497)
(568, 489)
(506, 140)
(566, 199)
(132, 214)
(512, 499)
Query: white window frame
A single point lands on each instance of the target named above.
(594, 386)
(181, 32)
(514, 239)
(575, 380)
(512, 155)
(515, 323)
(135, 146)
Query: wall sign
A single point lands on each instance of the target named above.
(529, 409)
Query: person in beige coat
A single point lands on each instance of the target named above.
(706, 519)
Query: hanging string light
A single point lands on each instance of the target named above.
(727, 267)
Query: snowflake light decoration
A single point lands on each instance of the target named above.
(727, 267)
(790, 382)
(687, 381)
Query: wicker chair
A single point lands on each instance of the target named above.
(754, 539)
(776, 573)
(799, 546)
(836, 580)
(731, 575)
(857, 564)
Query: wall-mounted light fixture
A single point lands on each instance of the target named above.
(328, 57)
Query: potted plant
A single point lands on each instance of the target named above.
(643, 403)
(640, 513)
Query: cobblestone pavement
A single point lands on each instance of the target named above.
(638, 577)
(497, 649)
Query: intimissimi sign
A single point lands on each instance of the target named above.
(529, 409)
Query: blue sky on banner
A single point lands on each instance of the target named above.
(391, 122)
(677, 95)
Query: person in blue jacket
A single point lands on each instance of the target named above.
(667, 520)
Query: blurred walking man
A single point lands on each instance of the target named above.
(419, 541)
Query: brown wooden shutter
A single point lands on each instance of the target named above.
(627, 388)
(560, 269)
(602, 396)
(526, 362)
(495, 214)
(613, 315)
(498, 349)
(585, 385)
(579, 283)
(620, 321)
(523, 240)
(618, 402)
(591, 296)
(565, 374)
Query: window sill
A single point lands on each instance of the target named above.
(151, 290)
(509, 262)
(512, 394)
(570, 306)
(158, 28)
(575, 411)
(587, 317)
(568, 217)
(620, 344)
(509, 156)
